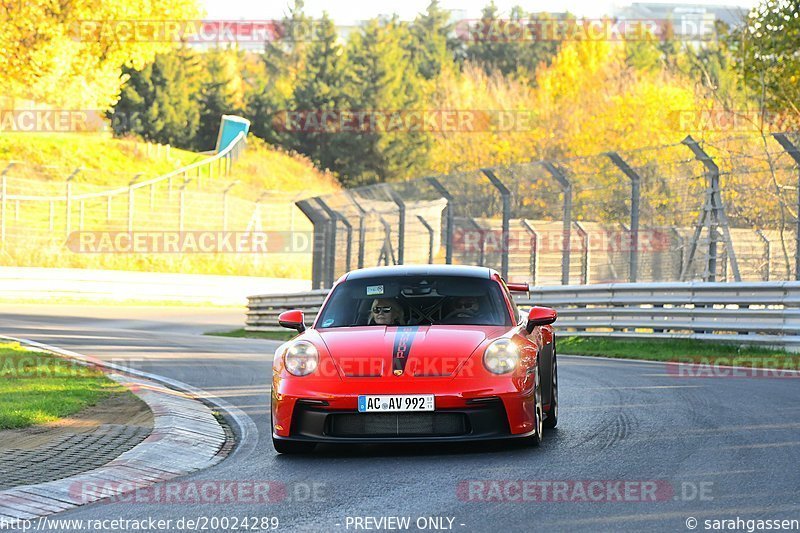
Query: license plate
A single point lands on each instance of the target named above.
(395, 404)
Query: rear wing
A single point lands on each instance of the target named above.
(518, 287)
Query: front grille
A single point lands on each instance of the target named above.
(397, 424)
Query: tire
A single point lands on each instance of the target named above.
(536, 439)
(552, 414)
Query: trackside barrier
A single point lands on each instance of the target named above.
(766, 313)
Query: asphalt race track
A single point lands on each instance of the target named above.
(715, 448)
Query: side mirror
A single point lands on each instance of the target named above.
(293, 320)
(540, 316)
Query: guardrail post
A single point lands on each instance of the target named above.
(534, 264)
(566, 188)
(712, 215)
(448, 231)
(225, 204)
(401, 225)
(635, 198)
(68, 201)
(318, 244)
(362, 230)
(505, 194)
(130, 201)
(3, 202)
(431, 235)
(794, 153)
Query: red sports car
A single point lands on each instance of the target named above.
(434, 353)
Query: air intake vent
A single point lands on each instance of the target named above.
(397, 424)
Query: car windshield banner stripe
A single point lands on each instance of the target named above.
(402, 346)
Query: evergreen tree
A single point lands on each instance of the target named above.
(157, 102)
(513, 46)
(220, 94)
(382, 79)
(320, 88)
(431, 49)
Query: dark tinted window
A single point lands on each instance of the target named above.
(415, 300)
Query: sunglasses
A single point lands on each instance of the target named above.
(379, 310)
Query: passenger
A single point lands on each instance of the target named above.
(386, 312)
(465, 307)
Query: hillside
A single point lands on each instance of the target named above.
(266, 182)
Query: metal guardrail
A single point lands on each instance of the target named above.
(759, 312)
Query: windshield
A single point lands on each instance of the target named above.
(415, 300)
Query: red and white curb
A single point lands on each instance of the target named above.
(186, 437)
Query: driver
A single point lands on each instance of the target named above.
(386, 312)
(465, 307)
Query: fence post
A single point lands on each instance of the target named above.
(767, 254)
(225, 204)
(362, 230)
(69, 201)
(3, 202)
(534, 264)
(635, 198)
(318, 246)
(505, 194)
(713, 214)
(130, 201)
(401, 224)
(482, 242)
(182, 203)
(431, 235)
(334, 216)
(566, 188)
(585, 256)
(794, 153)
(448, 250)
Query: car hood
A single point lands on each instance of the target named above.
(419, 351)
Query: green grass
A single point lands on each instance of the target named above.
(680, 350)
(241, 333)
(37, 387)
(105, 160)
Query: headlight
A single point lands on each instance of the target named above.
(501, 357)
(301, 358)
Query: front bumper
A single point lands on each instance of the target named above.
(483, 420)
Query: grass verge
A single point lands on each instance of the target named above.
(37, 387)
(681, 351)
(241, 333)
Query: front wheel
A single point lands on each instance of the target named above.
(552, 413)
(536, 438)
